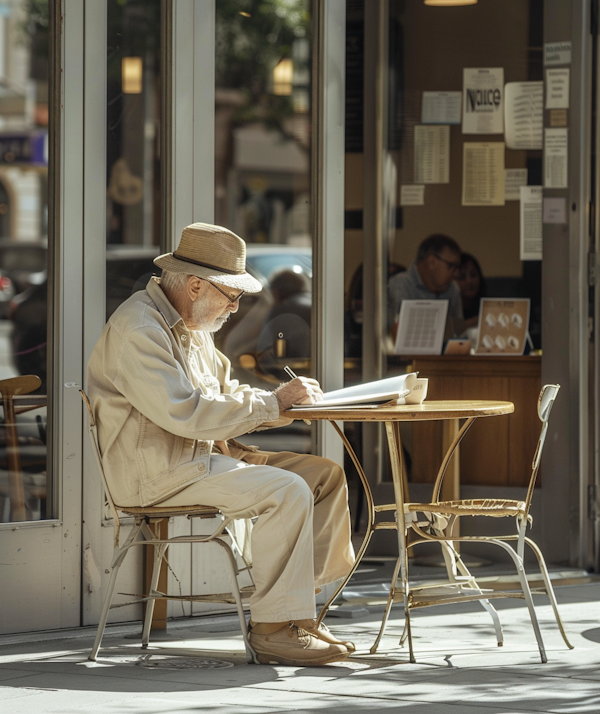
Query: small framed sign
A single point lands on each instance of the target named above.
(503, 326)
(421, 327)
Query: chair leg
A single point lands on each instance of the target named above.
(118, 558)
(486, 604)
(527, 594)
(104, 614)
(159, 554)
(549, 589)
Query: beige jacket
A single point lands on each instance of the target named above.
(161, 394)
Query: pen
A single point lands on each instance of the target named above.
(290, 372)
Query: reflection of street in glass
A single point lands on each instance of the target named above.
(513, 342)
(516, 319)
(503, 319)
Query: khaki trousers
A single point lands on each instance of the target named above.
(301, 538)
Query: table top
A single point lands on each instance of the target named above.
(428, 411)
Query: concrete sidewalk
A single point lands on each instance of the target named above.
(460, 669)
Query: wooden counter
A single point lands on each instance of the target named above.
(495, 452)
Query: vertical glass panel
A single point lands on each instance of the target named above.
(25, 486)
(435, 171)
(133, 156)
(262, 187)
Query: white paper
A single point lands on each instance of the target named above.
(514, 179)
(483, 100)
(557, 88)
(483, 174)
(531, 222)
(555, 158)
(421, 327)
(400, 388)
(412, 195)
(557, 53)
(432, 154)
(524, 115)
(554, 210)
(441, 108)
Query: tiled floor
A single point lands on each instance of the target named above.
(460, 669)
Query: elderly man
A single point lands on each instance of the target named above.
(168, 412)
(430, 277)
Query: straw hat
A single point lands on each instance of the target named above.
(213, 253)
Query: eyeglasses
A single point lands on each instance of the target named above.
(451, 266)
(231, 298)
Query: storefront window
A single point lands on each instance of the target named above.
(25, 483)
(262, 183)
(448, 172)
(133, 156)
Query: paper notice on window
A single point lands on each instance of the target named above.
(483, 174)
(557, 53)
(411, 195)
(514, 179)
(531, 222)
(432, 154)
(557, 88)
(524, 115)
(483, 100)
(441, 108)
(555, 158)
(555, 211)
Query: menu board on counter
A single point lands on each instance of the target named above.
(503, 326)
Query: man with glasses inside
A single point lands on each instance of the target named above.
(432, 276)
(168, 412)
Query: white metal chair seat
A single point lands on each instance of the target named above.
(141, 534)
(437, 525)
(170, 511)
(494, 507)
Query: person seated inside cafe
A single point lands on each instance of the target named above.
(472, 288)
(353, 313)
(431, 277)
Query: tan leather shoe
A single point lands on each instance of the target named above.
(324, 633)
(293, 645)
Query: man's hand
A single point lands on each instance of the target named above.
(302, 390)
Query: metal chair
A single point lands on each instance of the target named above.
(142, 534)
(435, 521)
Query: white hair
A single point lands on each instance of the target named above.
(172, 282)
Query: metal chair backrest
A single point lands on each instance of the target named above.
(544, 407)
(93, 431)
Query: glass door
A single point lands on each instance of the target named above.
(263, 130)
(40, 510)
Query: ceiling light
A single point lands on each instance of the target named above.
(131, 75)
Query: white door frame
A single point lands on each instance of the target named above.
(42, 589)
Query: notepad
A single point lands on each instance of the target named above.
(402, 389)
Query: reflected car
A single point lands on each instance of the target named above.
(21, 259)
